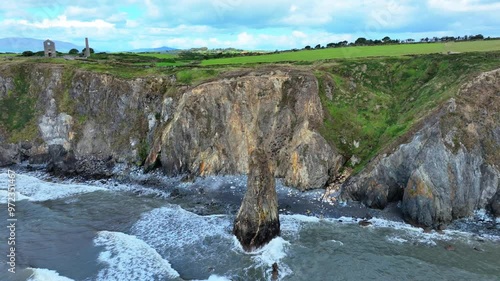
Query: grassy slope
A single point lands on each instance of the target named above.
(368, 51)
(375, 101)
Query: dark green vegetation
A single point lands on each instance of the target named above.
(17, 109)
(369, 103)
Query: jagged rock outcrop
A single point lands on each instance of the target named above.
(84, 122)
(257, 221)
(450, 166)
(217, 123)
(9, 154)
(94, 120)
(495, 204)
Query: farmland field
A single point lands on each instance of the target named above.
(364, 51)
(158, 55)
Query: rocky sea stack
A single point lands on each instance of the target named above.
(257, 221)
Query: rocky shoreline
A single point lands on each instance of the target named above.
(213, 195)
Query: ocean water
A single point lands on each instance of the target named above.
(107, 230)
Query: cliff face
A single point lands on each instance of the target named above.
(450, 166)
(216, 125)
(78, 121)
(83, 122)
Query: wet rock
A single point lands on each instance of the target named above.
(364, 223)
(63, 162)
(257, 221)
(274, 275)
(175, 193)
(9, 154)
(189, 178)
(495, 204)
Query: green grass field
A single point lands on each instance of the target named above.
(158, 55)
(366, 51)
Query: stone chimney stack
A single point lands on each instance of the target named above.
(87, 49)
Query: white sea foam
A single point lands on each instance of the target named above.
(42, 274)
(345, 220)
(4, 195)
(273, 252)
(177, 233)
(396, 239)
(215, 278)
(136, 189)
(301, 218)
(412, 234)
(129, 258)
(408, 233)
(173, 228)
(336, 242)
(34, 189)
(482, 215)
(218, 182)
(417, 234)
(291, 225)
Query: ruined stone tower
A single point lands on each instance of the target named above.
(87, 49)
(49, 48)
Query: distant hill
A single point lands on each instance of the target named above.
(19, 45)
(148, 50)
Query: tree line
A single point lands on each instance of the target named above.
(361, 41)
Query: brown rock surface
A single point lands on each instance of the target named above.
(257, 221)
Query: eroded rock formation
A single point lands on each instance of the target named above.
(257, 221)
(449, 168)
(215, 125)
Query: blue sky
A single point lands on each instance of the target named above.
(257, 24)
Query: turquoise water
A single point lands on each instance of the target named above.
(110, 231)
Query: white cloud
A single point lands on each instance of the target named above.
(62, 21)
(178, 30)
(153, 9)
(299, 34)
(245, 39)
(390, 14)
(131, 23)
(259, 24)
(463, 5)
(75, 11)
